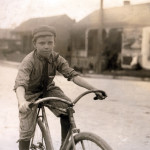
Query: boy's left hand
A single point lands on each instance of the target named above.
(100, 95)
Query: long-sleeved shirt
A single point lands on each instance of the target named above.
(30, 73)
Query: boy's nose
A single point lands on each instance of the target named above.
(46, 46)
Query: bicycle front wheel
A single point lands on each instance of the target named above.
(88, 141)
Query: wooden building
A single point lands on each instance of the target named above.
(85, 32)
(8, 41)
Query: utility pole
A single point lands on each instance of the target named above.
(100, 40)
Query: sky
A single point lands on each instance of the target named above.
(14, 12)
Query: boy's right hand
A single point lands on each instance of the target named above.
(24, 107)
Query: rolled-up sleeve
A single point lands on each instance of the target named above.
(64, 69)
(23, 75)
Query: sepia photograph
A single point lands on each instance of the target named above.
(75, 75)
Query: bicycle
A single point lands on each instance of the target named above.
(75, 140)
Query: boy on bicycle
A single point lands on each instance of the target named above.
(35, 80)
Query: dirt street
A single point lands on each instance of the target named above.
(123, 120)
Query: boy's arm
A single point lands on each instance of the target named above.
(81, 82)
(22, 103)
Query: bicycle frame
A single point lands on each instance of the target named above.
(70, 111)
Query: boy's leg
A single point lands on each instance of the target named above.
(24, 145)
(27, 126)
(65, 125)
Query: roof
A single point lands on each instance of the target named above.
(32, 23)
(125, 16)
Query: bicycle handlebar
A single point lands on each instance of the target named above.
(49, 98)
(62, 100)
(83, 94)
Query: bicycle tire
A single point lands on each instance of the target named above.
(45, 134)
(94, 142)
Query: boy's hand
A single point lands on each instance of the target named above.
(100, 95)
(24, 107)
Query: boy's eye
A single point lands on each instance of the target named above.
(42, 43)
(50, 43)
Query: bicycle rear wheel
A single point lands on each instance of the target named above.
(88, 141)
(41, 139)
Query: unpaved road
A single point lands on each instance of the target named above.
(123, 120)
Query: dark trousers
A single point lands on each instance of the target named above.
(65, 125)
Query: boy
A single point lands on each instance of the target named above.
(35, 79)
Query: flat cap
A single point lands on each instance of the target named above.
(43, 30)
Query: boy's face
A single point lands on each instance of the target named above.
(44, 45)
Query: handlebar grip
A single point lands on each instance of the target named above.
(96, 98)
